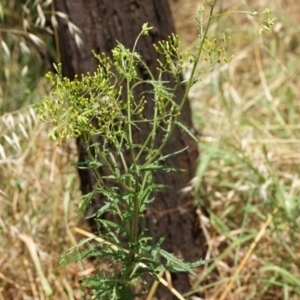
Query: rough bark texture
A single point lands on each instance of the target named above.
(102, 22)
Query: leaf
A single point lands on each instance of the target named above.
(184, 128)
(285, 274)
(206, 158)
(108, 223)
(101, 210)
(114, 163)
(200, 262)
(94, 164)
(172, 154)
(175, 264)
(154, 167)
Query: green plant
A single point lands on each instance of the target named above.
(94, 105)
(104, 104)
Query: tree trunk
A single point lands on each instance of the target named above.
(102, 22)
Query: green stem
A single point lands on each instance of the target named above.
(130, 141)
(253, 14)
(133, 222)
(87, 139)
(153, 132)
(187, 89)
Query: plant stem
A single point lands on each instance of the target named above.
(190, 83)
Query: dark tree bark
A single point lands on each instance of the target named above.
(102, 22)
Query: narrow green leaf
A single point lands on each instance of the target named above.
(172, 154)
(285, 274)
(184, 128)
(175, 263)
(154, 167)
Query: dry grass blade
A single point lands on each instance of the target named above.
(2, 153)
(248, 254)
(6, 279)
(31, 280)
(154, 287)
(5, 48)
(23, 185)
(33, 253)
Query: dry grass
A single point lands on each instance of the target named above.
(248, 113)
(37, 184)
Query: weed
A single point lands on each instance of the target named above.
(103, 104)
